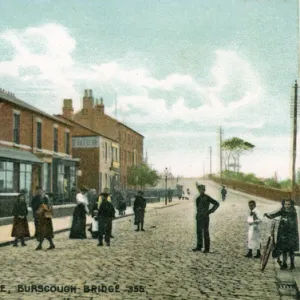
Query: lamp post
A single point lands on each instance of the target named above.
(166, 183)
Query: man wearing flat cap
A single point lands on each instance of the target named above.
(202, 218)
(139, 206)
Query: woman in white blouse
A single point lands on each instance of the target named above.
(78, 229)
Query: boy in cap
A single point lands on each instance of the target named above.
(106, 213)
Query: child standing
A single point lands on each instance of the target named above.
(20, 226)
(287, 236)
(254, 221)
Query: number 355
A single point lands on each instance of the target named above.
(135, 288)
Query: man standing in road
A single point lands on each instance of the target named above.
(35, 204)
(202, 217)
(106, 214)
(139, 210)
(223, 193)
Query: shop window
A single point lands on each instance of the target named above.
(47, 177)
(39, 135)
(60, 178)
(67, 142)
(55, 139)
(16, 128)
(25, 177)
(6, 176)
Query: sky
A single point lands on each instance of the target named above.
(173, 70)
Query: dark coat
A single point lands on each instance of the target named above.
(287, 235)
(139, 207)
(35, 204)
(20, 225)
(106, 210)
(139, 203)
(44, 222)
(202, 203)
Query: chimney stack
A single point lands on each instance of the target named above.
(100, 106)
(68, 109)
(88, 99)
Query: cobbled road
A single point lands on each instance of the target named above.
(155, 264)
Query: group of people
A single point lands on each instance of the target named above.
(103, 212)
(42, 213)
(287, 236)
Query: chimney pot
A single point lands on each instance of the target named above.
(101, 101)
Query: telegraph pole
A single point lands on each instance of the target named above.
(210, 162)
(221, 156)
(294, 114)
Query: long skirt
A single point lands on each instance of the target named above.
(44, 228)
(78, 229)
(20, 228)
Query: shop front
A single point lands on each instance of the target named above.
(19, 170)
(64, 179)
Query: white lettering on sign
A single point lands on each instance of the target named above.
(86, 142)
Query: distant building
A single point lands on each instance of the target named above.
(35, 149)
(99, 157)
(92, 116)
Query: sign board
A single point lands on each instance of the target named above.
(86, 142)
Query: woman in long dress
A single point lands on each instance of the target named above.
(288, 235)
(44, 224)
(78, 229)
(20, 228)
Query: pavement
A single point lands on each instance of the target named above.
(157, 264)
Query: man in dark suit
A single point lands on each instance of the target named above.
(106, 214)
(202, 203)
(139, 207)
(35, 204)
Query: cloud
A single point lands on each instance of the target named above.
(44, 57)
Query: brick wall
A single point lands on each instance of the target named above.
(28, 128)
(89, 167)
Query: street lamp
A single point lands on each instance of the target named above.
(166, 183)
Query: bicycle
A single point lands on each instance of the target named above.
(270, 246)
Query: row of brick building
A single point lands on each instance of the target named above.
(86, 147)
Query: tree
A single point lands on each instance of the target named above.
(233, 148)
(142, 176)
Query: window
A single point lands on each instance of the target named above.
(67, 142)
(39, 135)
(16, 128)
(25, 177)
(6, 176)
(47, 177)
(60, 178)
(55, 139)
(105, 151)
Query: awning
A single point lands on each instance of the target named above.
(19, 155)
(67, 161)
